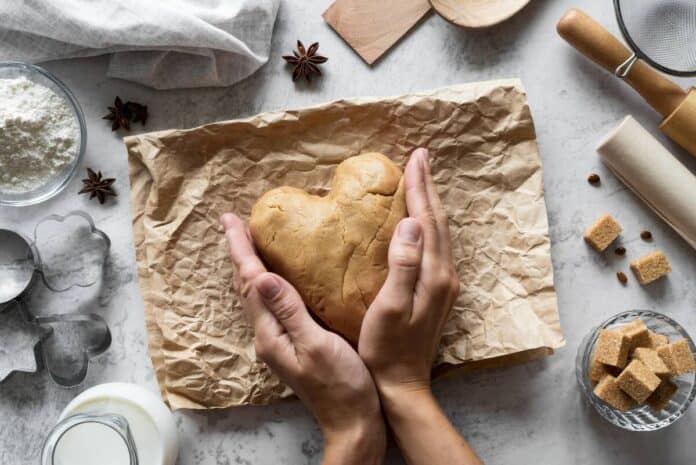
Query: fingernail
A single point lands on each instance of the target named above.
(268, 287)
(425, 159)
(225, 221)
(410, 230)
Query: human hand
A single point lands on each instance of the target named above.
(321, 367)
(401, 330)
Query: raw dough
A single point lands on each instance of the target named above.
(333, 249)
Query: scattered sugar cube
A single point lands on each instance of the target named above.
(637, 334)
(612, 348)
(657, 340)
(659, 399)
(651, 267)
(638, 381)
(678, 357)
(598, 370)
(608, 390)
(651, 360)
(602, 233)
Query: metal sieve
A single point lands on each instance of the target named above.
(659, 32)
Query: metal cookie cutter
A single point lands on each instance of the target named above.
(62, 343)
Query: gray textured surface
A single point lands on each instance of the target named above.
(519, 415)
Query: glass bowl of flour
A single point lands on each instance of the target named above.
(42, 134)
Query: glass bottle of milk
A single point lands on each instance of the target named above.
(113, 424)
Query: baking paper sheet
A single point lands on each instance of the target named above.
(487, 167)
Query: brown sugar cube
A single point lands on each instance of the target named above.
(609, 391)
(665, 353)
(602, 233)
(638, 381)
(651, 267)
(637, 333)
(598, 370)
(612, 348)
(682, 357)
(659, 399)
(657, 340)
(651, 360)
(678, 357)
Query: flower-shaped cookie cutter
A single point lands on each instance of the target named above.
(21, 267)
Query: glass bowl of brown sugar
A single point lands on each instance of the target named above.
(637, 370)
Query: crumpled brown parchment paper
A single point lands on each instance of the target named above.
(487, 167)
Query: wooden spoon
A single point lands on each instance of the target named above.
(477, 14)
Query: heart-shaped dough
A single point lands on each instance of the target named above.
(333, 249)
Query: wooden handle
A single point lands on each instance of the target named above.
(599, 45)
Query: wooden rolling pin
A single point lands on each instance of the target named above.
(677, 106)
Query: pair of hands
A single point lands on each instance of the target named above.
(399, 336)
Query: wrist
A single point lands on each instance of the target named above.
(402, 400)
(422, 430)
(362, 441)
(402, 391)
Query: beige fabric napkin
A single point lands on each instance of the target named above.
(165, 44)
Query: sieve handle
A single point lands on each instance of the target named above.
(599, 45)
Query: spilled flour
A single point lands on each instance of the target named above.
(39, 135)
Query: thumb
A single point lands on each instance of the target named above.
(405, 254)
(286, 305)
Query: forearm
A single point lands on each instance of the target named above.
(423, 432)
(364, 443)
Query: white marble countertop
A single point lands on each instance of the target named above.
(533, 413)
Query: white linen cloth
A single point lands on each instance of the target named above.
(159, 43)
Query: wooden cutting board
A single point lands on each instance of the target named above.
(372, 27)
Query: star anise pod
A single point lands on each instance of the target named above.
(122, 114)
(119, 115)
(138, 112)
(97, 187)
(305, 61)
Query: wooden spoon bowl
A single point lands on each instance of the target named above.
(477, 14)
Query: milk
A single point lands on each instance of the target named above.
(91, 443)
(148, 440)
(92, 429)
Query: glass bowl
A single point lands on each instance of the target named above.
(53, 186)
(641, 418)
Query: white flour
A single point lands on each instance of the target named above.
(39, 135)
